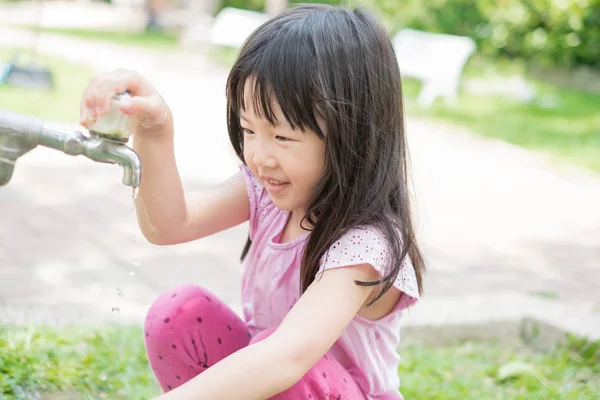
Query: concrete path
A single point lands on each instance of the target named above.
(497, 223)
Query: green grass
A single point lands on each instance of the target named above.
(155, 40)
(110, 362)
(570, 132)
(59, 104)
(96, 363)
(469, 370)
(561, 123)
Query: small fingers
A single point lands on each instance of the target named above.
(97, 96)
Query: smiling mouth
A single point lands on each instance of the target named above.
(276, 182)
(275, 187)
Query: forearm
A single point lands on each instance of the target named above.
(258, 371)
(160, 204)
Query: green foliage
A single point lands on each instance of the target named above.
(552, 33)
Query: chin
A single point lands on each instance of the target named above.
(282, 205)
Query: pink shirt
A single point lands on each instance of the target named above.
(271, 284)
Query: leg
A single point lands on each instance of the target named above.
(327, 379)
(188, 329)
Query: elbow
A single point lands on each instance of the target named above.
(304, 356)
(156, 241)
(156, 238)
(168, 235)
(160, 241)
(298, 359)
(292, 368)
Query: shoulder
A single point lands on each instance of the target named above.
(369, 245)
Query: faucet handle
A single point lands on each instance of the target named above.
(115, 125)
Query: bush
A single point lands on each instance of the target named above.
(551, 33)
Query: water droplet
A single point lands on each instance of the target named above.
(116, 310)
(120, 293)
(103, 376)
(131, 273)
(136, 263)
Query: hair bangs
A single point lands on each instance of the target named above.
(280, 73)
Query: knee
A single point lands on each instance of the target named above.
(171, 305)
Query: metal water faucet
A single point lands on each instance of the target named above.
(21, 133)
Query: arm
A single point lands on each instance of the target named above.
(164, 215)
(273, 365)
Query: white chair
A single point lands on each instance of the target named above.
(435, 59)
(232, 26)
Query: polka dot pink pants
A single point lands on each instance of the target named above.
(188, 329)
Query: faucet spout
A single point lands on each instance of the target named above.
(113, 152)
(96, 148)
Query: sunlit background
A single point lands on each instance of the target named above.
(502, 103)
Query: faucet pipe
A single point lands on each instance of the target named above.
(21, 133)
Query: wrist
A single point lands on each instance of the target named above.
(162, 131)
(154, 141)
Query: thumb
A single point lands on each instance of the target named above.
(151, 110)
(136, 105)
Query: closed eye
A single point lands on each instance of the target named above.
(282, 138)
(247, 131)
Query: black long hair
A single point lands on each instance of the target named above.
(337, 64)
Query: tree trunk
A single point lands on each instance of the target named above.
(274, 7)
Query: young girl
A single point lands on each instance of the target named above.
(315, 114)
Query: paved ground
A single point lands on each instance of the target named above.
(497, 223)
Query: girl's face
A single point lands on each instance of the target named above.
(288, 162)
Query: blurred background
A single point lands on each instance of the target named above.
(502, 103)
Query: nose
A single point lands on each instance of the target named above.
(263, 157)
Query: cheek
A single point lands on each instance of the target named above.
(316, 165)
(248, 154)
(249, 159)
(309, 170)
(316, 172)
